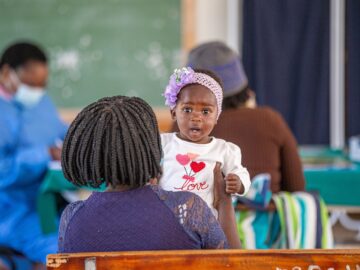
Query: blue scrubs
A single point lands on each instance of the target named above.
(25, 136)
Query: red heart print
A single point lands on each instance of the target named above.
(197, 166)
(182, 159)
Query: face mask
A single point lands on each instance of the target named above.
(29, 96)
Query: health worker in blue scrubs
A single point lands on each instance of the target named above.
(29, 129)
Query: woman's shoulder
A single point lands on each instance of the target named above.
(268, 115)
(66, 216)
(197, 219)
(182, 202)
(244, 116)
(70, 210)
(270, 112)
(188, 207)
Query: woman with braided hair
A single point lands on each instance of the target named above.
(115, 141)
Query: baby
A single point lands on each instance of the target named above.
(195, 99)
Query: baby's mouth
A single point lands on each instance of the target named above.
(195, 130)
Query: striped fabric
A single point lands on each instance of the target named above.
(299, 222)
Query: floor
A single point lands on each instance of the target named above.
(344, 238)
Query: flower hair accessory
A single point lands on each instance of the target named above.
(186, 75)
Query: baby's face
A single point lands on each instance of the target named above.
(195, 113)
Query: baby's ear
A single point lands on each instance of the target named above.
(173, 114)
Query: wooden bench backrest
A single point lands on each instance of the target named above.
(210, 259)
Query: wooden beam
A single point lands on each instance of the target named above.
(188, 25)
(210, 259)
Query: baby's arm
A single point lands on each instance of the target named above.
(237, 178)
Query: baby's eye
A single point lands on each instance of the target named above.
(187, 110)
(206, 111)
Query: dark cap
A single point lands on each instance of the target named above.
(222, 60)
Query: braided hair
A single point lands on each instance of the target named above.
(114, 141)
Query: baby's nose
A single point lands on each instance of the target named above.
(196, 116)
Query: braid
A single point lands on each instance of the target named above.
(114, 141)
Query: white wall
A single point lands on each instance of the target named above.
(210, 19)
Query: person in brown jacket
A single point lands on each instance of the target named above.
(266, 141)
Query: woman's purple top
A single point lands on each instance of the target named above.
(147, 218)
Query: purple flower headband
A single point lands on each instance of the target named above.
(186, 75)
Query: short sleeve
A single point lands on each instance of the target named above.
(201, 221)
(232, 164)
(195, 217)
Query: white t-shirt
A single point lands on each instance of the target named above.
(189, 166)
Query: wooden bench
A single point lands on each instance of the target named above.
(210, 259)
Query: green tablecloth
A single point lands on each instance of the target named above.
(54, 182)
(336, 186)
(333, 175)
(336, 180)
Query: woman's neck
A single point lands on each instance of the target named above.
(119, 188)
(152, 181)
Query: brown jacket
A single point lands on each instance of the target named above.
(266, 143)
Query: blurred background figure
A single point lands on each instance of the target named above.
(30, 128)
(265, 140)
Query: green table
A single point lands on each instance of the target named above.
(54, 182)
(330, 173)
(336, 186)
(337, 180)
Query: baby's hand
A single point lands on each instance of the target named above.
(233, 184)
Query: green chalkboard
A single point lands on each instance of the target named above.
(99, 47)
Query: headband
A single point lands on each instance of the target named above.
(182, 77)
